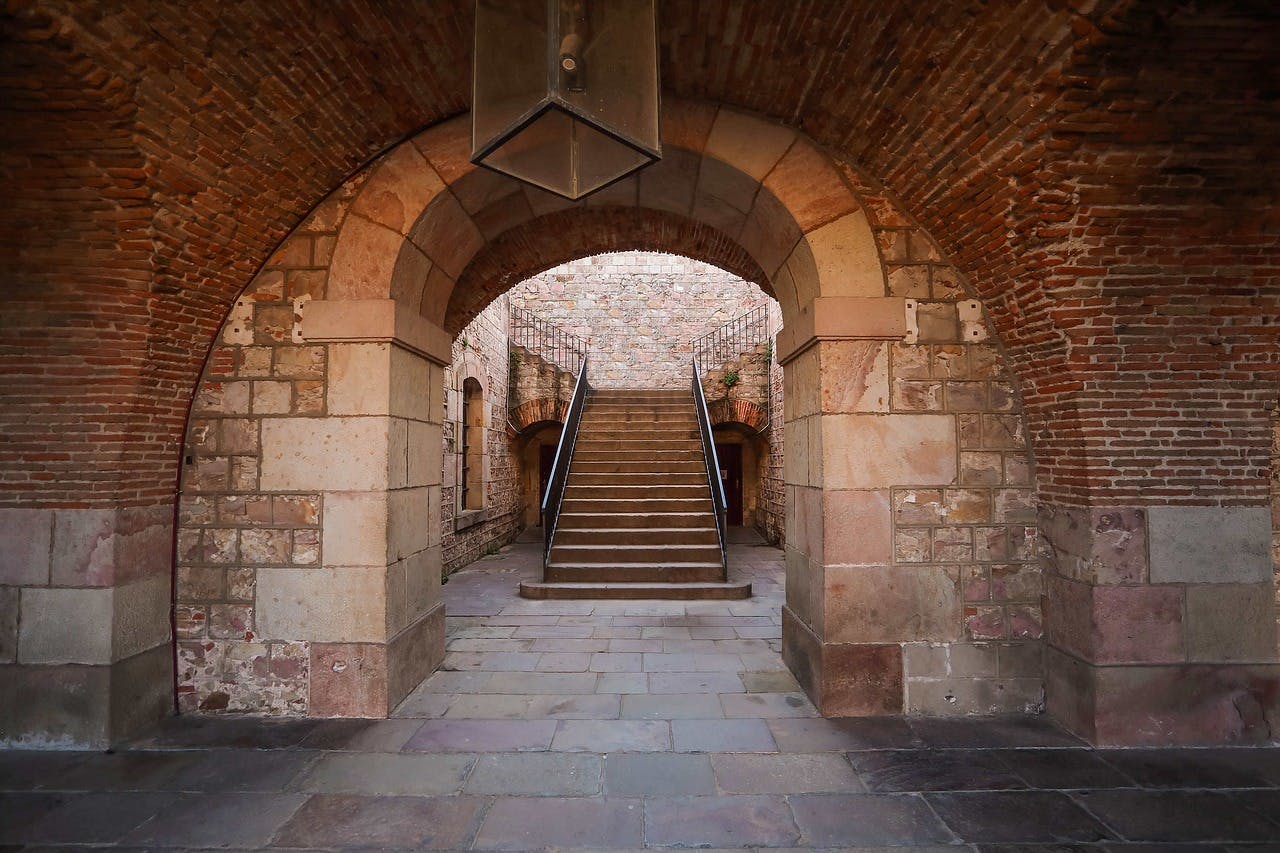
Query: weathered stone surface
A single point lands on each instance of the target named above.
(25, 541)
(891, 604)
(348, 680)
(1231, 622)
(1210, 544)
(300, 454)
(66, 626)
(877, 451)
(322, 604)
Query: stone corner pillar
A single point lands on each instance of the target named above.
(1160, 623)
(373, 612)
(848, 609)
(85, 654)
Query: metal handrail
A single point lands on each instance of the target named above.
(733, 338)
(560, 467)
(718, 502)
(547, 340)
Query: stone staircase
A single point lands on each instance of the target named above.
(637, 518)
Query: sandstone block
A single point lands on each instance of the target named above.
(359, 379)
(856, 528)
(891, 604)
(318, 454)
(407, 529)
(66, 626)
(854, 376)
(876, 451)
(348, 680)
(1210, 544)
(83, 551)
(341, 605)
(9, 600)
(141, 616)
(25, 541)
(355, 528)
(1231, 622)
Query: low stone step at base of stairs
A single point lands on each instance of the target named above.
(634, 573)
(730, 590)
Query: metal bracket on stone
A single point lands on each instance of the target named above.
(973, 326)
(298, 304)
(912, 334)
(239, 327)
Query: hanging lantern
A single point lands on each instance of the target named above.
(565, 92)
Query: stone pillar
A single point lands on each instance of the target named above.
(85, 658)
(372, 611)
(1160, 623)
(849, 610)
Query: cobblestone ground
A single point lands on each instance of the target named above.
(631, 725)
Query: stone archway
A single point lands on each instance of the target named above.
(900, 422)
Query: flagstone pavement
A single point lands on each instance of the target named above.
(630, 725)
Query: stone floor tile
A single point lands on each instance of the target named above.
(192, 731)
(445, 681)
(21, 809)
(559, 646)
(617, 632)
(561, 632)
(431, 823)
(481, 630)
(127, 771)
(722, 736)
(563, 662)
(1063, 768)
(689, 647)
(759, 632)
(762, 662)
(542, 683)
(1262, 763)
(767, 705)
(839, 820)
(771, 681)
(698, 631)
(718, 663)
(242, 770)
(217, 820)
(623, 682)
(695, 682)
(600, 706)
(489, 706)
(536, 774)
(522, 619)
(24, 770)
(660, 774)
(88, 818)
(463, 644)
(482, 736)
(526, 823)
(816, 734)
(616, 662)
(612, 736)
(635, 647)
(1016, 817)
(992, 733)
(389, 774)
(670, 663)
(635, 621)
(364, 735)
(1183, 768)
(1169, 816)
(934, 770)
(424, 706)
(784, 773)
(671, 706)
(719, 821)
(664, 632)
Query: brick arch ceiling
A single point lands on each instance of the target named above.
(1094, 168)
(567, 235)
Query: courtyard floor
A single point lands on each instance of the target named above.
(607, 725)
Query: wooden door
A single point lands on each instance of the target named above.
(731, 476)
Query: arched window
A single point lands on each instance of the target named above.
(472, 481)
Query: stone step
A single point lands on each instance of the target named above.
(634, 506)
(635, 478)
(687, 572)
(636, 421)
(660, 466)
(633, 521)
(661, 490)
(664, 446)
(654, 434)
(636, 591)
(631, 455)
(624, 536)
(618, 555)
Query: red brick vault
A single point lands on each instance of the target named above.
(1101, 174)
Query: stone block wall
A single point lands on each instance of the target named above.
(308, 564)
(913, 486)
(481, 351)
(638, 311)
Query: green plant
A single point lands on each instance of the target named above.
(515, 360)
(768, 351)
(730, 379)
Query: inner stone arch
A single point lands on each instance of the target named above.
(901, 423)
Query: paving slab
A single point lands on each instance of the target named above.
(430, 823)
(722, 736)
(816, 734)
(671, 706)
(537, 774)
(784, 773)
(87, 818)
(846, 820)
(217, 820)
(613, 736)
(1019, 817)
(695, 682)
(660, 774)
(530, 823)
(482, 736)
(364, 735)
(767, 705)
(934, 770)
(720, 822)
(390, 774)
(1170, 816)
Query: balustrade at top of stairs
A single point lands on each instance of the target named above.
(637, 519)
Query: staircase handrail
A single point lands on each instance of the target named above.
(718, 502)
(554, 497)
(547, 340)
(734, 337)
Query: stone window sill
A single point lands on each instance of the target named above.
(469, 518)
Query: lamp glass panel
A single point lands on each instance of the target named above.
(509, 75)
(600, 159)
(541, 154)
(619, 76)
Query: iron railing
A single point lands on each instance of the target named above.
(718, 502)
(547, 340)
(560, 467)
(739, 335)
